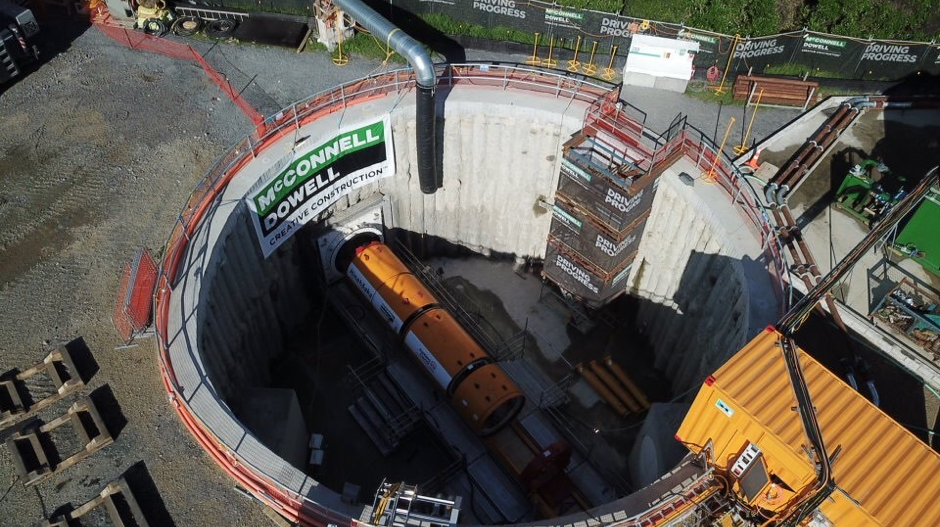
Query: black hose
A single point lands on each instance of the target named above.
(220, 28)
(426, 138)
(154, 27)
(185, 26)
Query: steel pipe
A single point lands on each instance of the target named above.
(426, 78)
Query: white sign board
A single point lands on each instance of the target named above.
(318, 176)
(661, 57)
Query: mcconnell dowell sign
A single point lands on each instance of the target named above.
(317, 177)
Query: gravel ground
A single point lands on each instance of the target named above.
(99, 149)
(272, 89)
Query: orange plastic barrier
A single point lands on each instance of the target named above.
(139, 40)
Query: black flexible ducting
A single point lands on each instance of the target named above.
(425, 136)
(220, 28)
(185, 26)
(425, 79)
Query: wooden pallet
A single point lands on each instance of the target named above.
(28, 446)
(777, 91)
(119, 501)
(57, 366)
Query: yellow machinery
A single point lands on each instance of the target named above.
(153, 17)
(745, 423)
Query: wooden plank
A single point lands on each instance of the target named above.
(94, 440)
(15, 386)
(108, 497)
(792, 92)
(29, 458)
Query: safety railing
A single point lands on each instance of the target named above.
(502, 76)
(718, 167)
(626, 123)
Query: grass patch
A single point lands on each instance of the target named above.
(363, 45)
(799, 70)
(607, 6)
(449, 26)
(708, 94)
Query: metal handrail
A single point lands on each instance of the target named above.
(208, 189)
(505, 76)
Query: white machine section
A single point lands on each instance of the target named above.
(362, 284)
(660, 62)
(381, 306)
(745, 460)
(388, 314)
(370, 219)
(427, 360)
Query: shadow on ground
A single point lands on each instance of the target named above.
(56, 34)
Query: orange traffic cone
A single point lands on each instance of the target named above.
(753, 163)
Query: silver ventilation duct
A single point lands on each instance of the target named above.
(420, 61)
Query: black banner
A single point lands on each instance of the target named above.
(757, 54)
(890, 61)
(573, 276)
(932, 64)
(819, 54)
(613, 205)
(827, 54)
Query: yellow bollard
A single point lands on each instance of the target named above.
(734, 45)
(711, 176)
(534, 61)
(339, 59)
(550, 62)
(573, 65)
(609, 70)
(741, 148)
(590, 69)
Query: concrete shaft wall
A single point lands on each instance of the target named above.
(497, 166)
(250, 306)
(232, 310)
(692, 289)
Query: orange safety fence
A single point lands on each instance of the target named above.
(134, 303)
(177, 50)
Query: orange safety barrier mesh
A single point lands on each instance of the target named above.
(133, 308)
(142, 41)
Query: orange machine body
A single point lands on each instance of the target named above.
(392, 290)
(482, 393)
(744, 419)
(487, 399)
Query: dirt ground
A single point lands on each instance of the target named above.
(98, 150)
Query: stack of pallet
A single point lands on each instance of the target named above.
(790, 92)
(116, 498)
